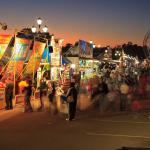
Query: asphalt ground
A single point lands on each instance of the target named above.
(90, 131)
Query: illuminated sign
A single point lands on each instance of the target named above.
(85, 49)
(4, 41)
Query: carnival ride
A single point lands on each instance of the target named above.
(146, 45)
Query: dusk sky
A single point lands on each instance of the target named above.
(106, 22)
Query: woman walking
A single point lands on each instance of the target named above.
(28, 92)
(72, 101)
(51, 95)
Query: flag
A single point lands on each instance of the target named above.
(35, 58)
(4, 41)
(85, 49)
(7, 53)
(15, 65)
(56, 55)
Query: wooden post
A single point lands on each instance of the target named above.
(33, 59)
(15, 71)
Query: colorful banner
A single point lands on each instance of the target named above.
(22, 47)
(56, 56)
(35, 58)
(7, 53)
(4, 41)
(85, 49)
(46, 56)
(16, 63)
(55, 73)
(2, 98)
(55, 59)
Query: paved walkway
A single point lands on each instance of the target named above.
(83, 105)
(6, 114)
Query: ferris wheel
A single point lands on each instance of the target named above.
(146, 44)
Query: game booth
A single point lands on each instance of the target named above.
(4, 46)
(22, 57)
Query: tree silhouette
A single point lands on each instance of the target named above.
(130, 49)
(66, 47)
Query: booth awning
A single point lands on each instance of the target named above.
(65, 60)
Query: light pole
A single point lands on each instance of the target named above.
(38, 34)
(119, 54)
(39, 22)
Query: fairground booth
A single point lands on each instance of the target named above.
(83, 64)
(28, 56)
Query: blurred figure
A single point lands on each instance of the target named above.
(51, 91)
(42, 88)
(9, 95)
(124, 89)
(72, 93)
(143, 80)
(22, 84)
(28, 92)
(103, 90)
(51, 95)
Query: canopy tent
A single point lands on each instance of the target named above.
(65, 61)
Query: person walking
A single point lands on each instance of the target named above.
(9, 95)
(28, 92)
(51, 91)
(102, 90)
(124, 89)
(51, 95)
(72, 101)
(41, 89)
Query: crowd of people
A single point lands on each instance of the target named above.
(114, 90)
(119, 89)
(46, 89)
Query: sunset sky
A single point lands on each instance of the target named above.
(106, 22)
